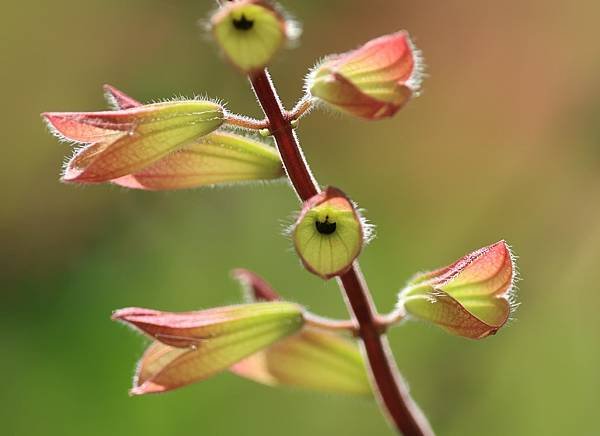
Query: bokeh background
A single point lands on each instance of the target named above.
(503, 143)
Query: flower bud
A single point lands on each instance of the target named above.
(249, 32)
(126, 141)
(471, 297)
(328, 235)
(218, 158)
(193, 346)
(371, 82)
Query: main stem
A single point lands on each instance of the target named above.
(391, 389)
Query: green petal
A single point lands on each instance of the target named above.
(193, 346)
(312, 359)
(215, 159)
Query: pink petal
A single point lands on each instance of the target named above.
(218, 158)
(119, 99)
(443, 310)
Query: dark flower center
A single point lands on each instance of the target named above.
(243, 23)
(325, 228)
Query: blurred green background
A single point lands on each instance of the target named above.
(503, 143)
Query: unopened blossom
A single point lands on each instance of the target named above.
(371, 82)
(472, 297)
(249, 32)
(122, 142)
(192, 346)
(328, 234)
(163, 146)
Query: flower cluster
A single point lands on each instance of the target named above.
(196, 142)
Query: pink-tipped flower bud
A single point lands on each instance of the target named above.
(250, 32)
(193, 346)
(329, 234)
(126, 141)
(162, 146)
(371, 82)
(471, 297)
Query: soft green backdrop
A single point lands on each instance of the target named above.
(503, 143)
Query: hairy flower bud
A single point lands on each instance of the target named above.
(371, 82)
(193, 346)
(249, 32)
(328, 234)
(126, 141)
(215, 159)
(471, 297)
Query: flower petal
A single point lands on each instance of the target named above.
(312, 359)
(372, 82)
(194, 328)
(218, 158)
(388, 58)
(255, 287)
(85, 128)
(487, 271)
(196, 345)
(126, 141)
(441, 309)
(118, 99)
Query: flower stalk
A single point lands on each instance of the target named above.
(184, 144)
(389, 386)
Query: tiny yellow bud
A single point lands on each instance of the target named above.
(249, 32)
(328, 235)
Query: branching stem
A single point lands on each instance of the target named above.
(246, 122)
(388, 384)
(320, 322)
(303, 106)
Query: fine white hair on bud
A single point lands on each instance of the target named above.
(328, 234)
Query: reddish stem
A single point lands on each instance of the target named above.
(291, 154)
(391, 389)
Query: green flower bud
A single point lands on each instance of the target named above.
(249, 32)
(329, 234)
(194, 346)
(473, 297)
(372, 82)
(126, 141)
